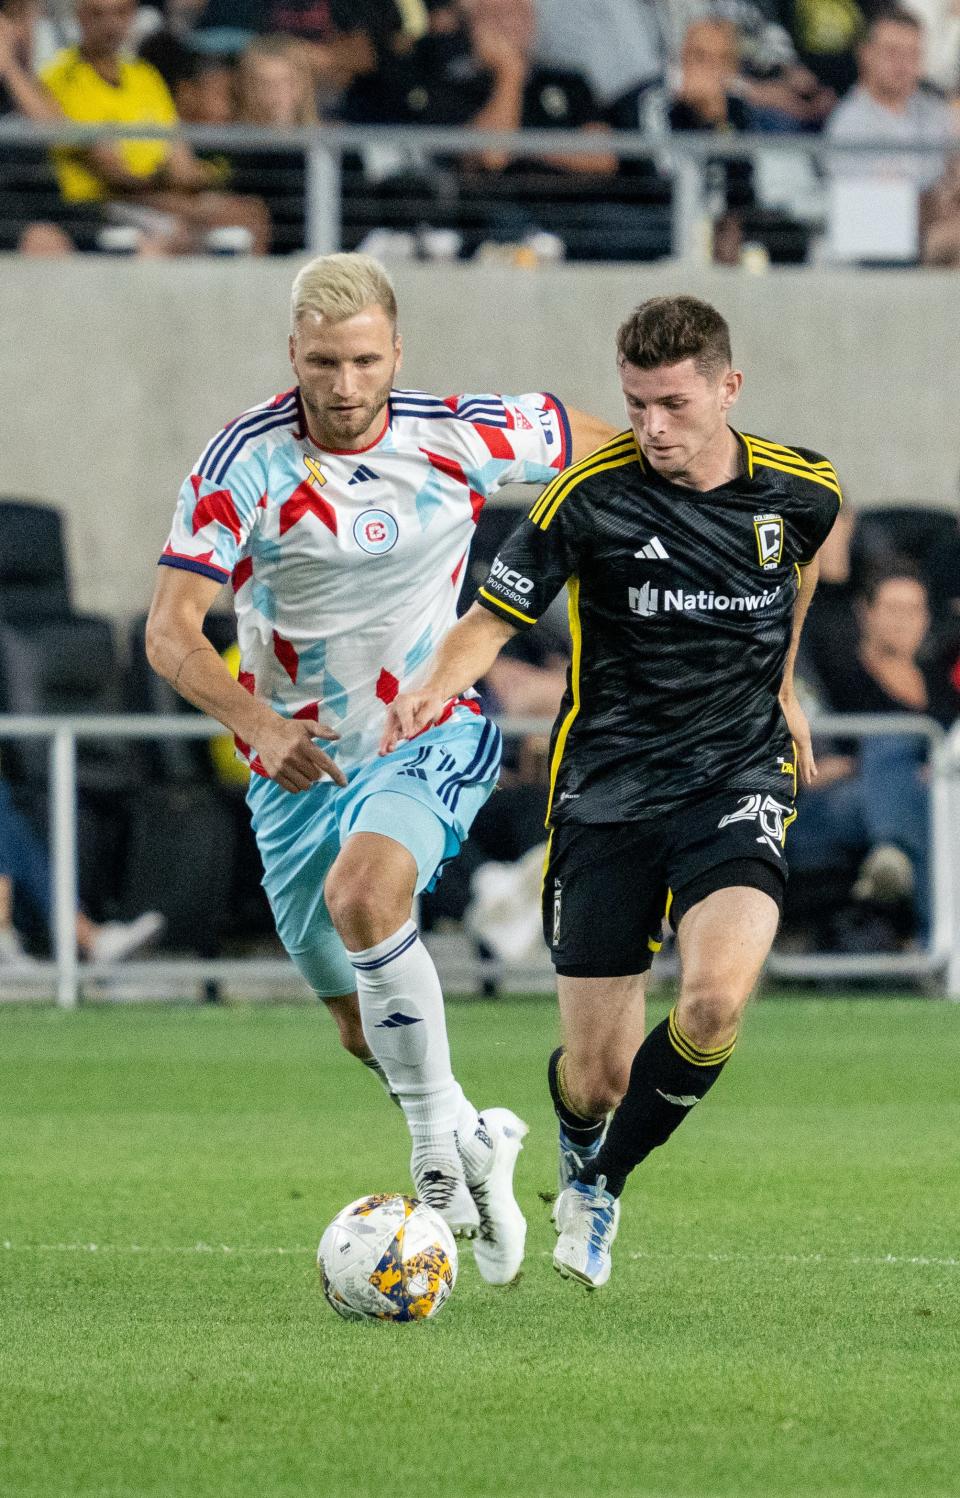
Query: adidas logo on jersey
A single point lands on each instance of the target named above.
(362, 474)
(654, 551)
(646, 601)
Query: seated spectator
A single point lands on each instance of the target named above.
(475, 67)
(21, 94)
(618, 46)
(338, 39)
(25, 873)
(888, 105)
(202, 84)
(826, 34)
(941, 25)
(774, 80)
(274, 87)
(158, 187)
(874, 806)
(705, 98)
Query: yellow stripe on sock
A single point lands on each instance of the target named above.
(690, 1051)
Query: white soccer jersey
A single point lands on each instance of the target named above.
(346, 566)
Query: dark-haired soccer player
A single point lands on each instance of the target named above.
(689, 554)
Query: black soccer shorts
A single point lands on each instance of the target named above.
(607, 887)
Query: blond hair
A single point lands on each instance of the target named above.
(340, 286)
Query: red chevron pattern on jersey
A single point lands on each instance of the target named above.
(306, 501)
(387, 686)
(242, 573)
(217, 506)
(454, 470)
(286, 655)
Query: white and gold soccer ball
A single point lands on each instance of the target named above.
(387, 1258)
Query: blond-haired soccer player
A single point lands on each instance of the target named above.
(342, 512)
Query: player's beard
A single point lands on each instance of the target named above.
(336, 429)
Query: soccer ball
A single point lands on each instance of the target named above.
(387, 1258)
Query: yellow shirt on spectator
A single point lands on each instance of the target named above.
(141, 97)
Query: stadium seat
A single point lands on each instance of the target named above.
(34, 579)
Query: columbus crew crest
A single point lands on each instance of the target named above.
(768, 530)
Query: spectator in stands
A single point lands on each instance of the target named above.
(826, 34)
(889, 106)
(274, 88)
(618, 45)
(25, 872)
(875, 806)
(202, 83)
(705, 98)
(158, 187)
(339, 39)
(774, 80)
(475, 67)
(21, 94)
(941, 23)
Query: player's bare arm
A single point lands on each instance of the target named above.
(467, 653)
(179, 651)
(587, 433)
(796, 717)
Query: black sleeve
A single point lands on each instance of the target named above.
(819, 506)
(530, 568)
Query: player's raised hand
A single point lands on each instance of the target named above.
(409, 714)
(292, 759)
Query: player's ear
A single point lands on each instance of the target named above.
(291, 349)
(730, 387)
(398, 349)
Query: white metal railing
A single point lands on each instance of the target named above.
(939, 960)
(685, 156)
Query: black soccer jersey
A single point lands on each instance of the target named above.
(681, 610)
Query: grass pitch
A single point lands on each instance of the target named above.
(783, 1318)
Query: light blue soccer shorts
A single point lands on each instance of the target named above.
(424, 795)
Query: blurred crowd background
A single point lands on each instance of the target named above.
(829, 72)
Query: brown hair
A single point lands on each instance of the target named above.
(669, 329)
(896, 15)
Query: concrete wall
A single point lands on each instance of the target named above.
(114, 374)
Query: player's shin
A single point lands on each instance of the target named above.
(670, 1074)
(401, 1006)
(579, 1136)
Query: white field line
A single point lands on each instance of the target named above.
(922, 1261)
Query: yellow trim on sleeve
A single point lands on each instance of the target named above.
(573, 609)
(623, 447)
(501, 605)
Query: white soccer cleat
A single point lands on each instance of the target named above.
(119, 939)
(587, 1218)
(499, 1243)
(441, 1184)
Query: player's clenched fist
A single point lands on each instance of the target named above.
(409, 714)
(292, 759)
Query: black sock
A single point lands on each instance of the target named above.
(580, 1131)
(669, 1074)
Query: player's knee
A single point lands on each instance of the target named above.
(599, 1087)
(362, 907)
(708, 1011)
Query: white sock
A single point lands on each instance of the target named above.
(401, 1007)
(473, 1142)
